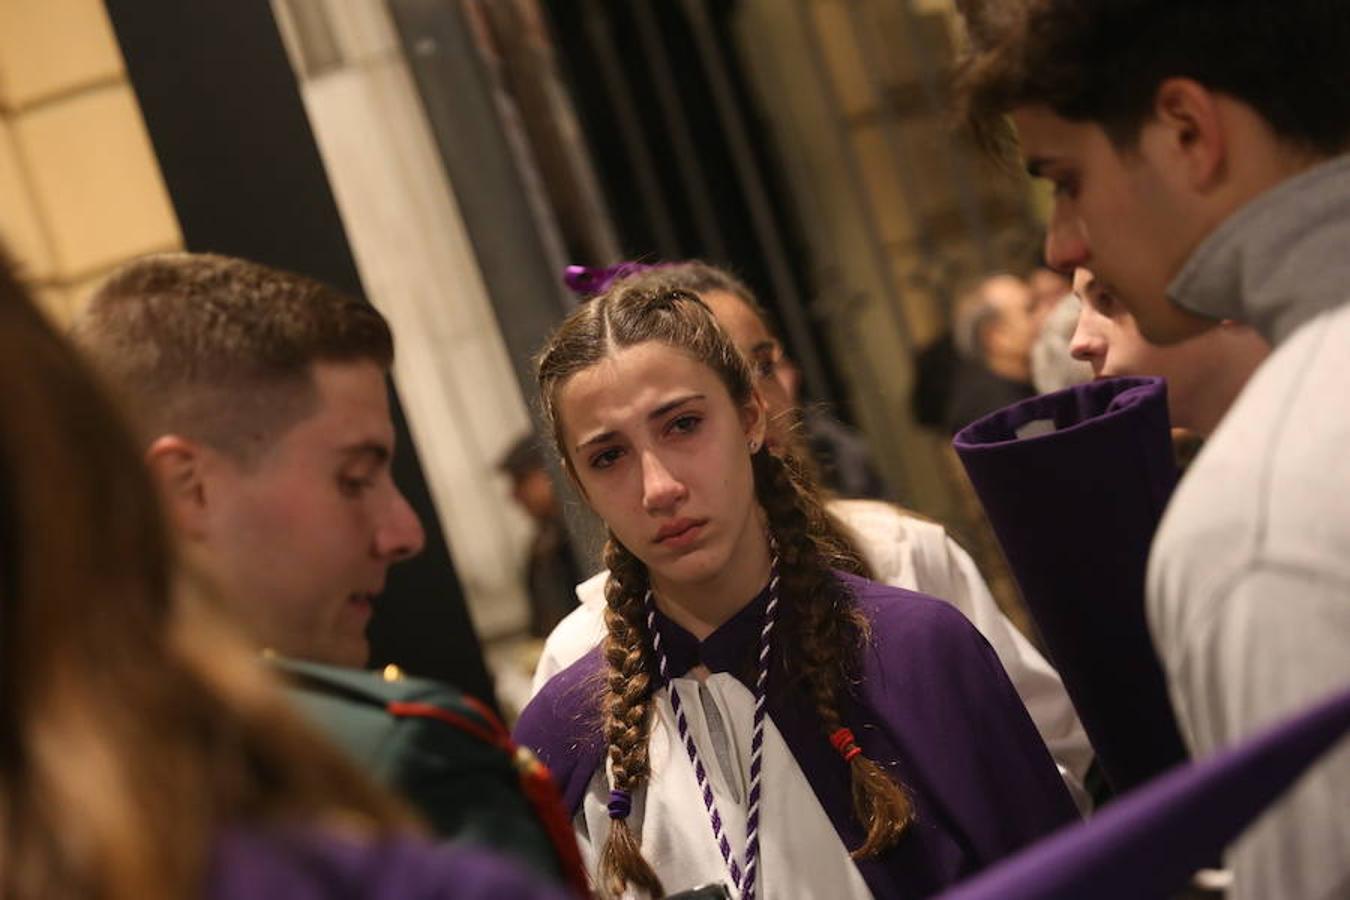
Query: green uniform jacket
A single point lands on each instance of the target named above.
(442, 751)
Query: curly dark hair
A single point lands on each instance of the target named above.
(1102, 61)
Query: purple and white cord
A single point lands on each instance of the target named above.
(743, 879)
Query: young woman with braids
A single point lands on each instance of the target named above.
(756, 715)
(897, 547)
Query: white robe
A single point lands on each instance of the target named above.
(912, 553)
(801, 855)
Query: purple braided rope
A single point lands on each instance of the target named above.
(743, 880)
(757, 740)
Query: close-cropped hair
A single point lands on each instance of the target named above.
(134, 726)
(221, 350)
(821, 631)
(1102, 61)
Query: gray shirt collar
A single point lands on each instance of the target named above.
(1280, 260)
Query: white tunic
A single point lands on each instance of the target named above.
(801, 855)
(1249, 576)
(912, 553)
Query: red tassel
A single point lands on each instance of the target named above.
(841, 740)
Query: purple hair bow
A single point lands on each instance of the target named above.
(587, 281)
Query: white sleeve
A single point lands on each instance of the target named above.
(575, 635)
(1241, 656)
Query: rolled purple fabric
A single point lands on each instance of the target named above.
(1149, 843)
(1074, 484)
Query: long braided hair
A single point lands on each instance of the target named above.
(823, 631)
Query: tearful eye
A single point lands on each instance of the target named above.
(605, 458)
(685, 424)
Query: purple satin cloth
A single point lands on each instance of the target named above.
(307, 864)
(1149, 843)
(933, 704)
(1075, 510)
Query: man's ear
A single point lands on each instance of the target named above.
(177, 466)
(1192, 130)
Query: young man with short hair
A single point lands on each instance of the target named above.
(261, 398)
(262, 401)
(1198, 155)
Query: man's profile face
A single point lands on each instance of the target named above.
(301, 538)
(1114, 211)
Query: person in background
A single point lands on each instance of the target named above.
(1205, 373)
(261, 403)
(899, 548)
(1053, 365)
(840, 453)
(996, 325)
(552, 572)
(1048, 288)
(1198, 153)
(147, 755)
(895, 763)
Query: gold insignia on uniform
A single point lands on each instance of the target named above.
(525, 760)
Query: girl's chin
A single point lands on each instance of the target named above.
(690, 569)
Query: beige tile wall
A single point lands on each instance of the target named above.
(80, 189)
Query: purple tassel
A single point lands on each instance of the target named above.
(620, 804)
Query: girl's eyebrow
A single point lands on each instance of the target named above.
(672, 405)
(657, 413)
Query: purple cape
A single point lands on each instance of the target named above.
(309, 864)
(1075, 511)
(932, 704)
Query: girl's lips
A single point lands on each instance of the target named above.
(679, 534)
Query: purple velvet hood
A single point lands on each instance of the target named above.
(1074, 484)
